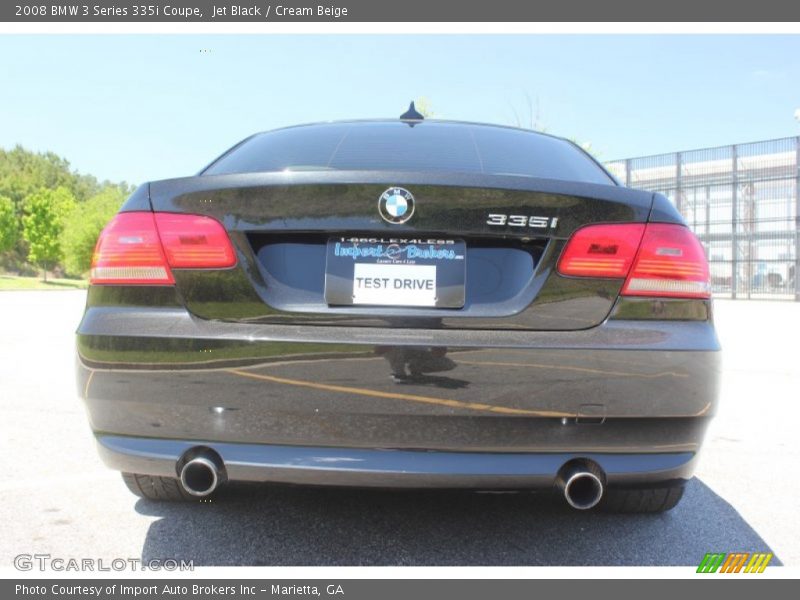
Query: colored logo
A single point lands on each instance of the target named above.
(735, 562)
(396, 252)
(396, 205)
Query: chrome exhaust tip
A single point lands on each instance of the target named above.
(582, 483)
(200, 476)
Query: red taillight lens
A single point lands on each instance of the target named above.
(129, 251)
(671, 263)
(194, 242)
(601, 250)
(657, 259)
(140, 247)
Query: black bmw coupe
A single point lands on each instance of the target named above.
(401, 303)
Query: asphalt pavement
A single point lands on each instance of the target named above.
(59, 499)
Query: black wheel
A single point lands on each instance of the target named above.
(643, 500)
(156, 488)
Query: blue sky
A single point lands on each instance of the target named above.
(148, 107)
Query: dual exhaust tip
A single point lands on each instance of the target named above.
(581, 481)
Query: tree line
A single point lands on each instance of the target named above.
(51, 215)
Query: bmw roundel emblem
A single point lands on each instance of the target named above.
(396, 205)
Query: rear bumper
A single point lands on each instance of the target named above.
(388, 407)
(389, 468)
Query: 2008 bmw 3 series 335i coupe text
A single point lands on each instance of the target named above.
(401, 303)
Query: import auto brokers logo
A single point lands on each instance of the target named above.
(396, 205)
(734, 562)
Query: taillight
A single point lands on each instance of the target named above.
(657, 259)
(140, 247)
(129, 251)
(601, 251)
(671, 263)
(194, 242)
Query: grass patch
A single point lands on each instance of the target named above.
(12, 282)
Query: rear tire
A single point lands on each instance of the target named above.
(157, 488)
(643, 500)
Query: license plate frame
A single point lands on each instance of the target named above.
(395, 272)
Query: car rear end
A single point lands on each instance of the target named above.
(381, 304)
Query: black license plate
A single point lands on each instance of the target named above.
(395, 272)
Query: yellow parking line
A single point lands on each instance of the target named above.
(394, 396)
(703, 410)
(88, 383)
(578, 369)
(281, 363)
(591, 355)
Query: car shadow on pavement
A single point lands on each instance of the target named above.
(250, 524)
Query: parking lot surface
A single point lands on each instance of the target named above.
(59, 499)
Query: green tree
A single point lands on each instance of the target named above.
(530, 117)
(424, 107)
(9, 224)
(45, 213)
(23, 172)
(83, 226)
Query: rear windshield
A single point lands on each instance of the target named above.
(395, 146)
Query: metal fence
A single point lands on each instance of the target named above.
(742, 202)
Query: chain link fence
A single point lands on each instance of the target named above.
(742, 202)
